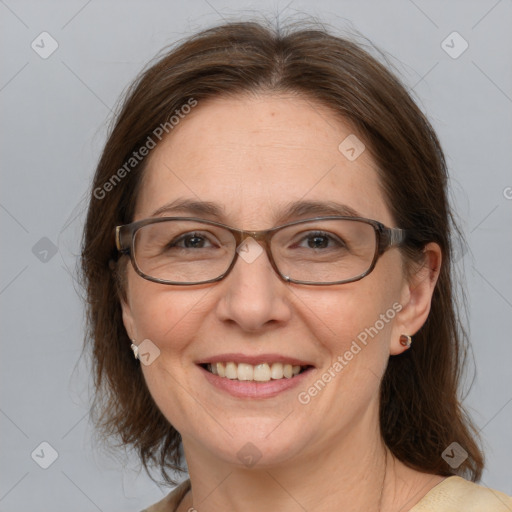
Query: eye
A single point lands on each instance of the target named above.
(321, 240)
(193, 240)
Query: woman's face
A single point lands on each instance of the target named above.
(253, 157)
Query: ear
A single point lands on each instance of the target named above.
(416, 297)
(128, 320)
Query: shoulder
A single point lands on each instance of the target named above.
(456, 494)
(172, 500)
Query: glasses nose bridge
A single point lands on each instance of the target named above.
(261, 237)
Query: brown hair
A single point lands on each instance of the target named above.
(420, 414)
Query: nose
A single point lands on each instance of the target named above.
(253, 296)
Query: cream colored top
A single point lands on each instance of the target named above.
(453, 494)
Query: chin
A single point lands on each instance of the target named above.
(256, 445)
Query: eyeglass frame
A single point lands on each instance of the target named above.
(386, 238)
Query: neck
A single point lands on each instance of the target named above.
(349, 475)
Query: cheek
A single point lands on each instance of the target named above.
(355, 312)
(168, 318)
(157, 310)
(352, 327)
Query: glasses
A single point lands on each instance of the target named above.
(319, 251)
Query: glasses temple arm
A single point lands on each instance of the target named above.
(392, 237)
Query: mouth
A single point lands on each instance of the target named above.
(261, 372)
(240, 380)
(260, 376)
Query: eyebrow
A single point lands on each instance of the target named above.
(290, 211)
(192, 207)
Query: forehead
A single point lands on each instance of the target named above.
(253, 155)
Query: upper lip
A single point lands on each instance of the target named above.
(254, 360)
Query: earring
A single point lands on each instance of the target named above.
(405, 340)
(135, 349)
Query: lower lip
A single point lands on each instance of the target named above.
(253, 389)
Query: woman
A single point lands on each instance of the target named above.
(269, 234)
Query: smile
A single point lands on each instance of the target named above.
(263, 372)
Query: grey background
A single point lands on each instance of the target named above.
(53, 125)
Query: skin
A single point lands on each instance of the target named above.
(252, 155)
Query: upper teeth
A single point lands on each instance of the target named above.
(260, 372)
